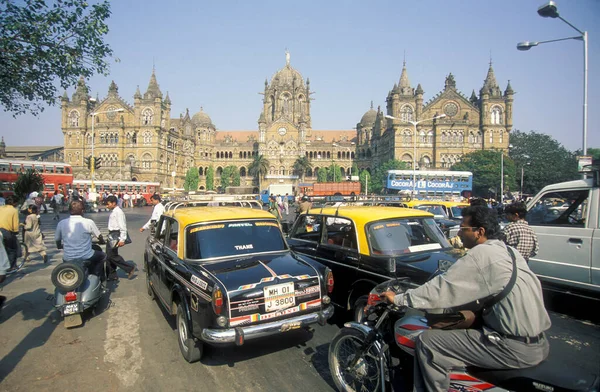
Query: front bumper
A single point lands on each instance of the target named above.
(241, 334)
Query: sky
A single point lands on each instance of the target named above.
(217, 55)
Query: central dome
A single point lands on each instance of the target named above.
(201, 118)
(286, 76)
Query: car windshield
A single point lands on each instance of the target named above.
(404, 236)
(457, 212)
(435, 210)
(233, 239)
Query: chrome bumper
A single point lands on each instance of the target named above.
(241, 334)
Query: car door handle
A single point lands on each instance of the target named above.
(577, 241)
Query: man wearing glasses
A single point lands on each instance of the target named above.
(512, 335)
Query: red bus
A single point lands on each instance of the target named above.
(146, 189)
(56, 175)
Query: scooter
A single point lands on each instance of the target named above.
(378, 355)
(76, 289)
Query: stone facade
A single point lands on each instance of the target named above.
(142, 142)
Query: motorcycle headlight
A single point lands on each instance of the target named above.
(444, 265)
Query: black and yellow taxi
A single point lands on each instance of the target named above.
(367, 245)
(228, 276)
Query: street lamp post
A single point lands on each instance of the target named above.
(550, 11)
(502, 173)
(523, 173)
(92, 159)
(414, 164)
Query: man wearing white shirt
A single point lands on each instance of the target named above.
(156, 212)
(117, 228)
(75, 233)
(125, 199)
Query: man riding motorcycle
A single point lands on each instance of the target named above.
(512, 335)
(75, 235)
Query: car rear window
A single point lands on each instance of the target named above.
(222, 239)
(402, 236)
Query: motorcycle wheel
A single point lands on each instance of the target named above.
(359, 309)
(366, 375)
(67, 276)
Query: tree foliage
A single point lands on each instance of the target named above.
(43, 42)
(27, 182)
(378, 179)
(259, 168)
(543, 159)
(485, 166)
(210, 179)
(301, 166)
(334, 173)
(594, 153)
(228, 177)
(322, 174)
(192, 178)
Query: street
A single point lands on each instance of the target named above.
(130, 343)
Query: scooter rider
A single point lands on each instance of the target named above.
(75, 234)
(512, 335)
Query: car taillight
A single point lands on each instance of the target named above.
(217, 301)
(71, 296)
(373, 299)
(329, 282)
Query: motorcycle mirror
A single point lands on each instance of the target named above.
(392, 265)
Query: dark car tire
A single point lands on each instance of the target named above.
(358, 312)
(67, 276)
(149, 285)
(190, 349)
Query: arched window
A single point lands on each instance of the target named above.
(471, 138)
(429, 137)
(200, 171)
(407, 158)
(478, 138)
(496, 115)
(74, 118)
(406, 113)
(426, 161)
(422, 137)
(444, 138)
(147, 116)
(147, 137)
(491, 137)
(501, 136)
(243, 172)
(282, 170)
(219, 171)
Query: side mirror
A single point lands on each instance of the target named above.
(392, 265)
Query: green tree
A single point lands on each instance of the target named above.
(301, 166)
(42, 42)
(228, 176)
(27, 182)
(334, 173)
(378, 180)
(259, 169)
(355, 171)
(485, 166)
(235, 179)
(322, 174)
(210, 179)
(543, 159)
(192, 178)
(594, 153)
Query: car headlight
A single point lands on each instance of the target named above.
(221, 321)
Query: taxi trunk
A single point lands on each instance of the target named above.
(267, 288)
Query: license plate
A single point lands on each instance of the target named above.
(71, 309)
(279, 296)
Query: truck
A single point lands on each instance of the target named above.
(346, 188)
(278, 189)
(566, 220)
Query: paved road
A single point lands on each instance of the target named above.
(130, 343)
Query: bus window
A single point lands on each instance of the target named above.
(60, 169)
(4, 167)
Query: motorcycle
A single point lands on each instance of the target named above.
(76, 289)
(378, 355)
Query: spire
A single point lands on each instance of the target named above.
(450, 82)
(65, 97)
(2, 144)
(153, 90)
(509, 90)
(81, 92)
(371, 105)
(287, 57)
(473, 98)
(490, 86)
(419, 90)
(167, 99)
(138, 94)
(404, 82)
(113, 89)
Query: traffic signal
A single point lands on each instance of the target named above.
(87, 162)
(97, 163)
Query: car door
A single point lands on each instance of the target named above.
(168, 258)
(339, 251)
(565, 234)
(156, 245)
(306, 234)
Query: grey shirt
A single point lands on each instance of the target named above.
(484, 271)
(76, 234)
